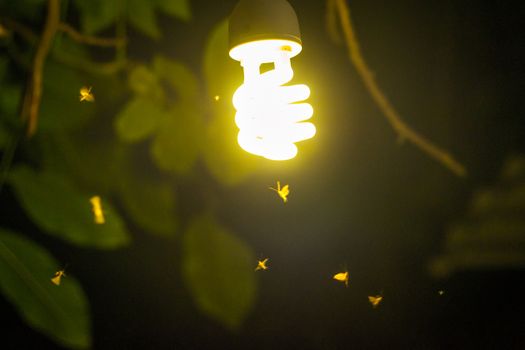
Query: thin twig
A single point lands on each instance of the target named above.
(404, 131)
(88, 39)
(88, 66)
(34, 88)
(79, 63)
(24, 31)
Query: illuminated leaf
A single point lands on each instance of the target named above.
(177, 8)
(61, 313)
(143, 81)
(60, 98)
(58, 208)
(141, 15)
(223, 75)
(96, 15)
(150, 202)
(99, 14)
(225, 160)
(94, 162)
(179, 78)
(138, 119)
(178, 141)
(218, 271)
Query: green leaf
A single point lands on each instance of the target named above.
(143, 81)
(218, 270)
(178, 76)
(60, 209)
(138, 119)
(141, 15)
(178, 142)
(149, 201)
(223, 74)
(96, 15)
(93, 162)
(60, 312)
(177, 8)
(151, 206)
(225, 160)
(10, 97)
(61, 108)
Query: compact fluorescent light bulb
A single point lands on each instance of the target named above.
(269, 117)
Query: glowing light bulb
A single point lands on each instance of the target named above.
(269, 116)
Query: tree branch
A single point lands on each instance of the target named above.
(404, 131)
(25, 32)
(78, 63)
(88, 39)
(34, 88)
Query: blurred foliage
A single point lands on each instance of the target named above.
(224, 158)
(218, 268)
(61, 312)
(54, 204)
(61, 86)
(136, 146)
(101, 14)
(492, 235)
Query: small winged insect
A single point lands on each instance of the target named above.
(441, 292)
(282, 192)
(342, 277)
(57, 278)
(375, 300)
(261, 265)
(86, 95)
(96, 207)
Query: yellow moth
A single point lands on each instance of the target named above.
(261, 265)
(441, 292)
(96, 207)
(282, 192)
(86, 95)
(375, 300)
(57, 277)
(342, 277)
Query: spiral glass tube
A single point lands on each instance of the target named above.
(269, 117)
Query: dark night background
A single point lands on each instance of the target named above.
(359, 200)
